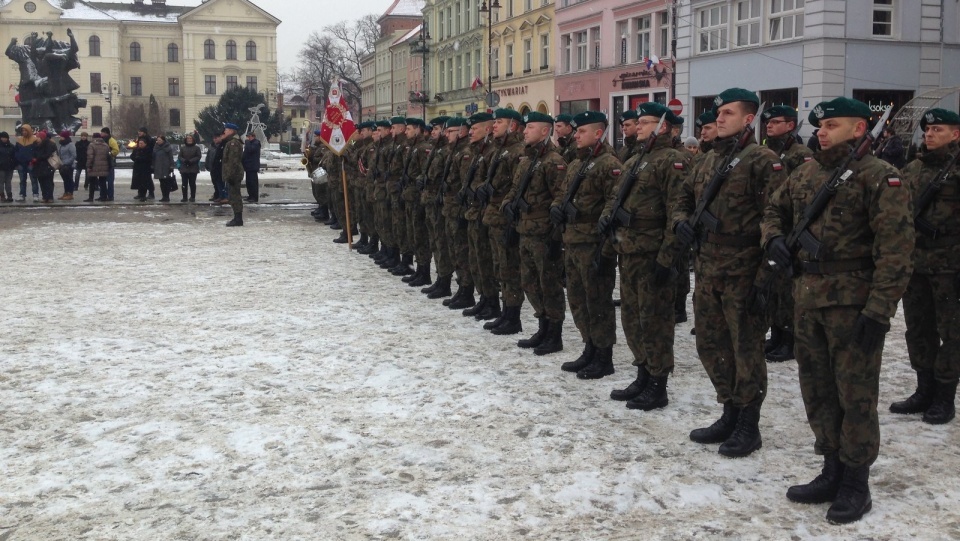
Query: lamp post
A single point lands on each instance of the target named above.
(494, 4)
(420, 46)
(109, 90)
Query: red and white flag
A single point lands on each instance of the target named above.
(337, 125)
(476, 82)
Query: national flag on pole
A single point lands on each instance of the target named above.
(652, 60)
(337, 125)
(476, 82)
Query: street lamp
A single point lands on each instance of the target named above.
(494, 4)
(109, 90)
(420, 46)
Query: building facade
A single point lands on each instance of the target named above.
(457, 56)
(183, 56)
(390, 91)
(522, 65)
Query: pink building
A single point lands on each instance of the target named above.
(608, 53)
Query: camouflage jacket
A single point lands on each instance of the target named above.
(869, 218)
(351, 157)
(549, 168)
(333, 164)
(484, 150)
(654, 194)
(567, 148)
(415, 162)
(794, 156)
(941, 255)
(369, 161)
(316, 155)
(509, 157)
(383, 172)
(735, 249)
(602, 172)
(232, 160)
(630, 147)
(437, 160)
(460, 157)
(398, 158)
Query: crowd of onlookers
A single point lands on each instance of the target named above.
(38, 156)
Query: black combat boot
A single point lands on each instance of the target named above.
(357, 245)
(853, 499)
(456, 296)
(510, 323)
(552, 340)
(372, 246)
(442, 288)
(654, 395)
(378, 255)
(635, 388)
(537, 337)
(392, 260)
(331, 219)
(322, 213)
(490, 325)
(424, 278)
(746, 436)
(465, 301)
(475, 309)
(405, 266)
(237, 220)
(721, 429)
(921, 399)
(784, 351)
(942, 410)
(490, 311)
(600, 366)
(413, 275)
(582, 361)
(773, 342)
(342, 239)
(679, 309)
(824, 487)
(386, 253)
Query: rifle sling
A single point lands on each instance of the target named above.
(706, 204)
(837, 266)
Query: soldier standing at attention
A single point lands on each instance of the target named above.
(707, 122)
(357, 180)
(931, 304)
(541, 171)
(628, 124)
(429, 184)
(729, 317)
(844, 300)
(233, 171)
(566, 146)
(368, 162)
(460, 157)
(780, 122)
(648, 250)
(577, 209)
(388, 254)
(416, 220)
(398, 218)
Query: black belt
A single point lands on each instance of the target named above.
(939, 242)
(648, 223)
(589, 219)
(737, 241)
(836, 267)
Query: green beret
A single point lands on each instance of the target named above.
(939, 116)
(416, 122)
(565, 118)
(589, 117)
(507, 113)
(536, 116)
(439, 121)
(678, 120)
(837, 108)
(477, 118)
(629, 114)
(368, 125)
(779, 110)
(397, 120)
(732, 95)
(706, 118)
(383, 123)
(456, 122)
(652, 108)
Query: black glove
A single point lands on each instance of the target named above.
(756, 301)
(484, 193)
(604, 224)
(510, 210)
(557, 216)
(422, 183)
(685, 232)
(777, 251)
(462, 196)
(868, 333)
(661, 274)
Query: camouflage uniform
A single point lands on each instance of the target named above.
(868, 236)
(589, 290)
(333, 164)
(381, 196)
(541, 269)
(369, 213)
(728, 267)
(233, 171)
(647, 312)
(416, 220)
(481, 256)
(355, 180)
(567, 148)
(319, 190)
(629, 148)
(398, 217)
(436, 223)
(506, 258)
(457, 242)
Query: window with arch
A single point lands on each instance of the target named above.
(94, 45)
(173, 53)
(251, 50)
(231, 50)
(134, 52)
(209, 50)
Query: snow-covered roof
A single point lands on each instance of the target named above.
(405, 8)
(408, 35)
(116, 11)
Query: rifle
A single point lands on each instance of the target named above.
(519, 205)
(466, 194)
(446, 172)
(422, 180)
(485, 191)
(569, 209)
(791, 140)
(927, 196)
(404, 176)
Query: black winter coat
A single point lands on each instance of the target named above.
(251, 155)
(82, 147)
(7, 160)
(142, 168)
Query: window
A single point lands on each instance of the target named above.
(477, 59)
(173, 53)
(231, 82)
(252, 83)
(786, 19)
(173, 86)
(544, 51)
(96, 83)
(596, 47)
(713, 29)
(96, 116)
(459, 72)
(443, 75)
(174, 118)
(527, 5)
(209, 50)
(509, 9)
(748, 23)
(210, 85)
(136, 86)
(449, 21)
(94, 46)
(581, 51)
(458, 18)
(134, 52)
(251, 50)
(527, 55)
(509, 60)
(466, 66)
(567, 52)
(883, 18)
(623, 31)
(643, 38)
(440, 24)
(495, 63)
(664, 34)
(231, 49)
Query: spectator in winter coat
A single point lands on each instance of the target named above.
(114, 152)
(190, 154)
(251, 166)
(82, 145)
(163, 167)
(41, 165)
(144, 134)
(68, 159)
(814, 142)
(216, 172)
(891, 149)
(98, 167)
(142, 158)
(26, 145)
(8, 163)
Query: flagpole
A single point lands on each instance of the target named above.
(346, 202)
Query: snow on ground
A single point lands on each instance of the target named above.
(163, 377)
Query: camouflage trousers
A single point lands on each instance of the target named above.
(356, 209)
(646, 313)
(730, 339)
(840, 384)
(481, 259)
(320, 193)
(541, 277)
(233, 194)
(335, 188)
(385, 224)
(458, 247)
(507, 263)
(417, 232)
(369, 216)
(932, 314)
(780, 308)
(590, 293)
(436, 226)
(398, 215)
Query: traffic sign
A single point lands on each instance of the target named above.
(675, 106)
(493, 99)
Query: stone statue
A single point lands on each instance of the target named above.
(46, 89)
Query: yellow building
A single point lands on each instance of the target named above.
(457, 56)
(522, 68)
(186, 57)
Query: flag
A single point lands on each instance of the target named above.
(652, 60)
(337, 125)
(476, 82)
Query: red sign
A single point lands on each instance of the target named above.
(675, 106)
